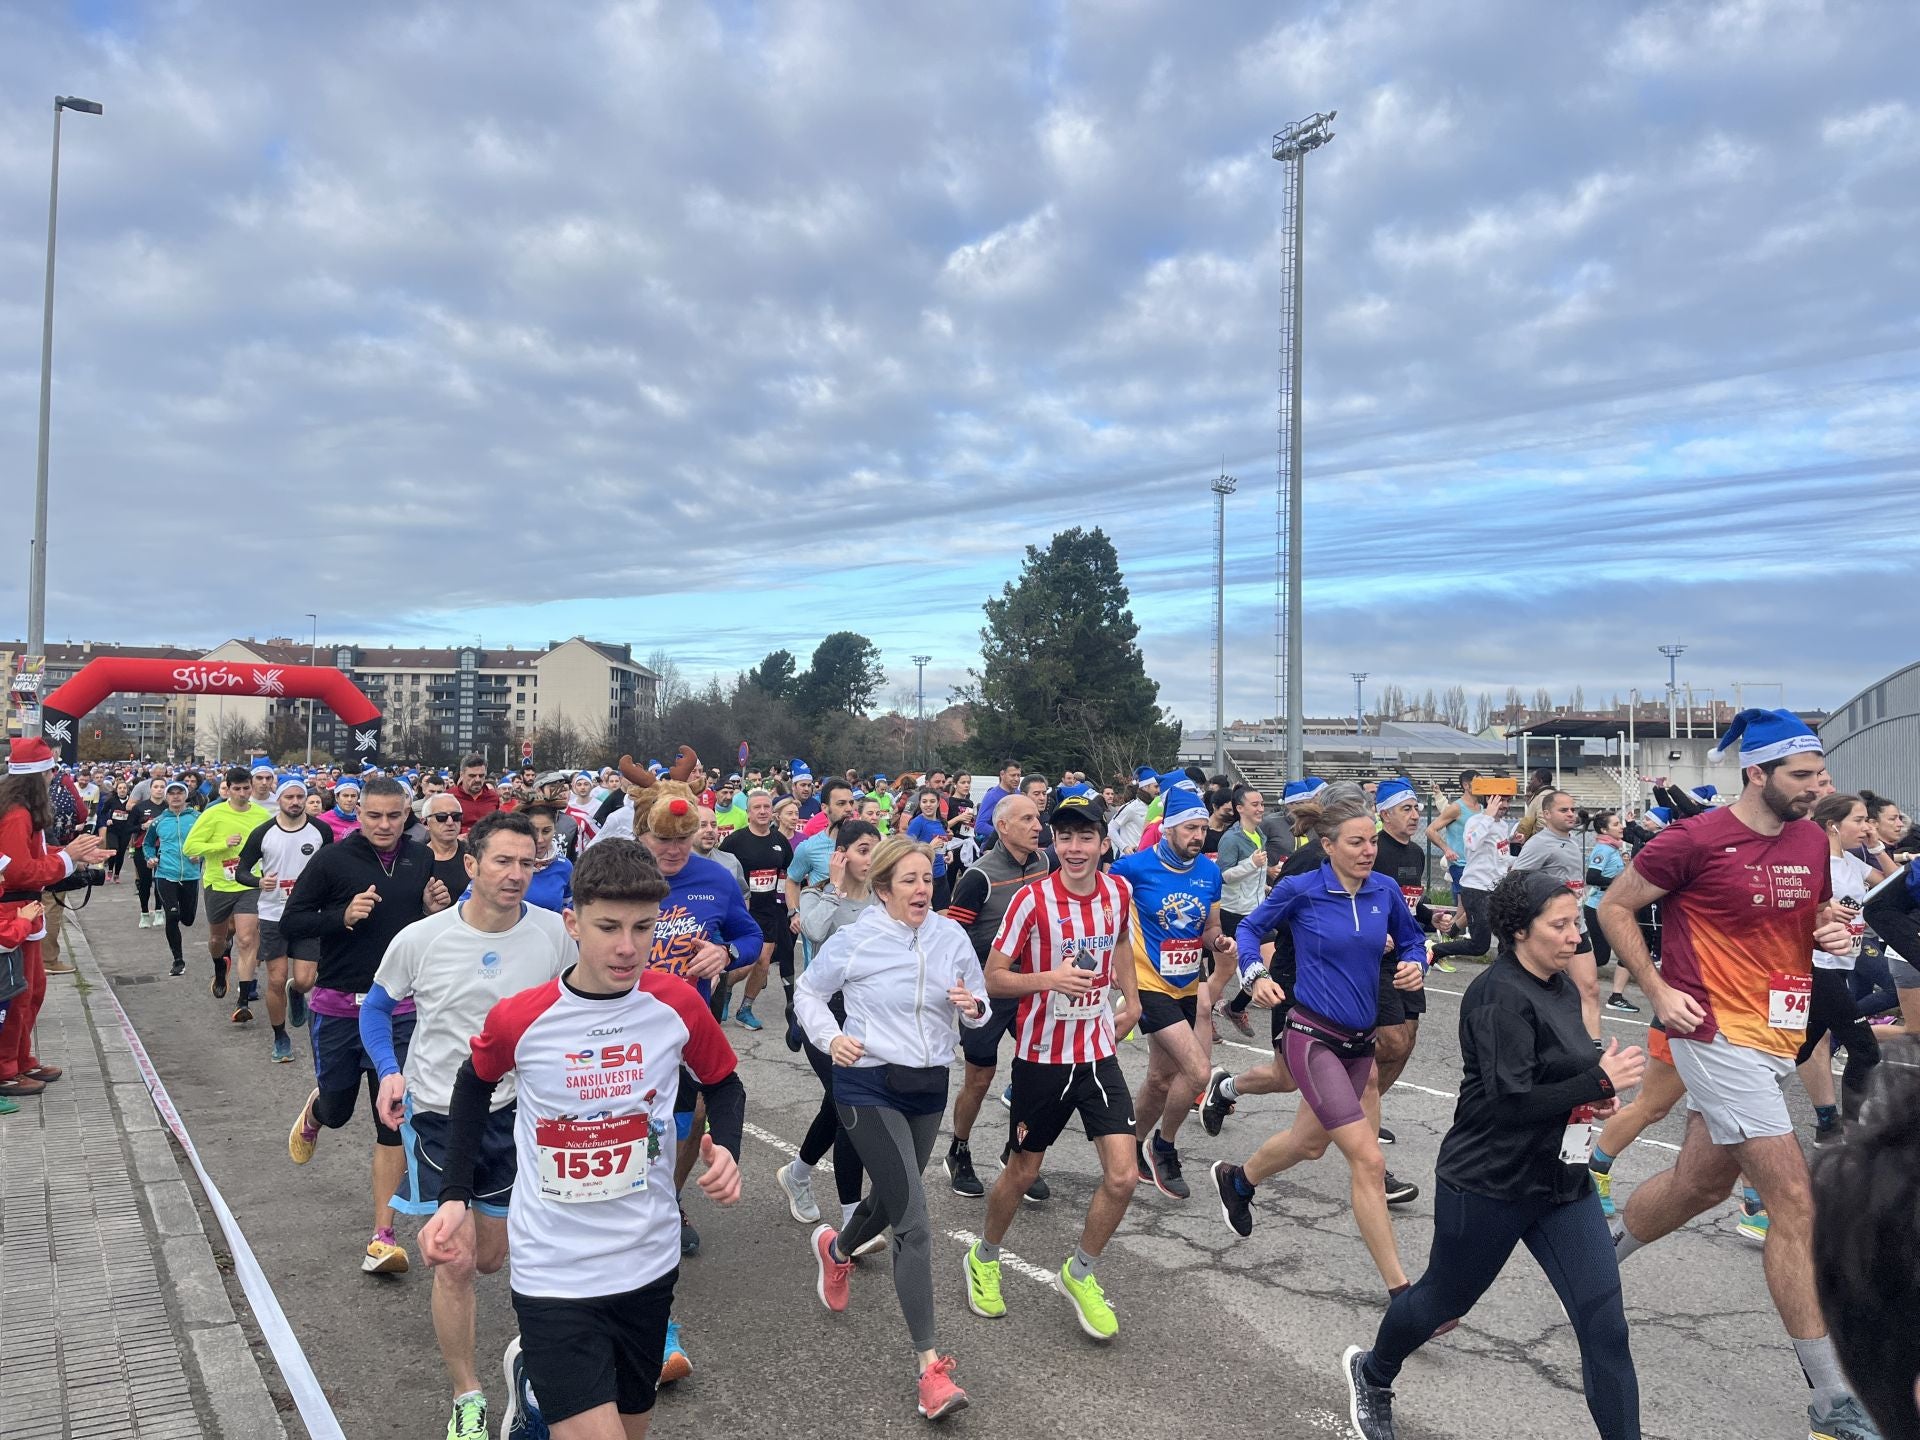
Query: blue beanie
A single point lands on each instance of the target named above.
(799, 771)
(1766, 735)
(1394, 792)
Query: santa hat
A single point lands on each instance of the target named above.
(1183, 803)
(799, 771)
(1394, 792)
(292, 782)
(1146, 775)
(1765, 736)
(346, 782)
(29, 755)
(1298, 792)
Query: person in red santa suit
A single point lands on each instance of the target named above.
(28, 867)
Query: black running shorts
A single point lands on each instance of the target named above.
(582, 1353)
(1046, 1097)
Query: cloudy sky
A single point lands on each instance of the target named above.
(715, 327)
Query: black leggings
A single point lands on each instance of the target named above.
(181, 901)
(825, 1134)
(122, 841)
(1472, 1238)
(143, 878)
(334, 1108)
(1479, 927)
(1831, 1010)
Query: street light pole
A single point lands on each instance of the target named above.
(1223, 486)
(1673, 654)
(313, 651)
(37, 562)
(1359, 701)
(920, 663)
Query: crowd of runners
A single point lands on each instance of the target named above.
(532, 976)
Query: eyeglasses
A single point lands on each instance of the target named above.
(445, 815)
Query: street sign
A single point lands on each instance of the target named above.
(526, 749)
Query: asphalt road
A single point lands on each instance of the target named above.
(1219, 1337)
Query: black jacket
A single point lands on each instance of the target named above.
(317, 909)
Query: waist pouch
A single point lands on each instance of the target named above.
(916, 1079)
(1347, 1044)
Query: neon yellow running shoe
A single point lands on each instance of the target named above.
(983, 1286)
(1603, 1187)
(1089, 1304)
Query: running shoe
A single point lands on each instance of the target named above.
(1401, 1192)
(1841, 1420)
(960, 1171)
(1369, 1406)
(794, 1037)
(1445, 967)
(831, 1284)
(7, 1107)
(1603, 1187)
(1622, 1004)
(523, 1420)
(1038, 1191)
(799, 1191)
(1090, 1305)
(1214, 1110)
(1236, 1209)
(219, 986)
(1006, 1097)
(296, 1007)
(1826, 1133)
(939, 1396)
(1752, 1224)
(674, 1364)
(282, 1050)
(1387, 1137)
(1236, 1018)
(241, 1013)
(748, 1019)
(1164, 1167)
(689, 1237)
(179, 968)
(383, 1256)
(726, 1004)
(305, 1133)
(983, 1285)
(1140, 1161)
(469, 1420)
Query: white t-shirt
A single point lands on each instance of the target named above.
(1851, 879)
(455, 974)
(1487, 855)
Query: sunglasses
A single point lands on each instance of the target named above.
(445, 815)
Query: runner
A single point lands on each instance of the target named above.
(1552, 848)
(1832, 1013)
(176, 878)
(1061, 951)
(593, 1233)
(1487, 860)
(233, 910)
(1176, 929)
(271, 861)
(454, 967)
(1605, 861)
(1512, 1167)
(1245, 874)
(1343, 918)
(1448, 835)
(1124, 829)
(764, 855)
(1745, 890)
(904, 974)
(354, 896)
(980, 900)
(552, 885)
(441, 817)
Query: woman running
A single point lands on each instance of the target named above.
(1487, 859)
(1605, 861)
(928, 828)
(1342, 917)
(1512, 1170)
(142, 812)
(176, 877)
(1832, 1018)
(116, 813)
(905, 974)
(824, 912)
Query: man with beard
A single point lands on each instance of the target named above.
(1745, 891)
(477, 798)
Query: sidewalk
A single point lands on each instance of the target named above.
(114, 1317)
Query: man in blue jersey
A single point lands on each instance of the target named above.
(1176, 932)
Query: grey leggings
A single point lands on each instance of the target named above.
(895, 1149)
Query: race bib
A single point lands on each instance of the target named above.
(1180, 959)
(1788, 1000)
(1576, 1141)
(231, 868)
(1090, 1006)
(1414, 894)
(762, 882)
(582, 1161)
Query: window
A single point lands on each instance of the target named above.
(521, 682)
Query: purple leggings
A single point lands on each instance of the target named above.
(1330, 1086)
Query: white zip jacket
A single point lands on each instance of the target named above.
(894, 980)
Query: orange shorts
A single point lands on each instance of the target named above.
(1657, 1046)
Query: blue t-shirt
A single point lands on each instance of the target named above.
(1609, 861)
(812, 861)
(552, 886)
(930, 832)
(1339, 941)
(1171, 901)
(703, 903)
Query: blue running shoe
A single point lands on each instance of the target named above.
(522, 1420)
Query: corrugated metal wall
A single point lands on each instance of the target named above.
(1873, 741)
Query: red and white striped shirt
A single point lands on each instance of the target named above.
(1048, 925)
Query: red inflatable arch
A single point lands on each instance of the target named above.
(111, 675)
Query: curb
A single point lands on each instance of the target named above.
(231, 1379)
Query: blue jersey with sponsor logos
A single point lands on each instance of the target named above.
(1171, 901)
(703, 903)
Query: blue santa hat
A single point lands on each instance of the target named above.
(799, 771)
(1765, 736)
(1183, 803)
(1662, 814)
(1069, 791)
(346, 782)
(1298, 792)
(290, 782)
(1146, 773)
(1394, 792)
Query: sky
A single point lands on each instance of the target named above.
(716, 327)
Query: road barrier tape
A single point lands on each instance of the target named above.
(316, 1413)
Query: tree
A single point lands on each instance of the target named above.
(845, 674)
(1482, 712)
(1454, 704)
(1515, 708)
(1543, 701)
(1577, 702)
(1429, 706)
(775, 677)
(1062, 681)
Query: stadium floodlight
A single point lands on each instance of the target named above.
(1223, 485)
